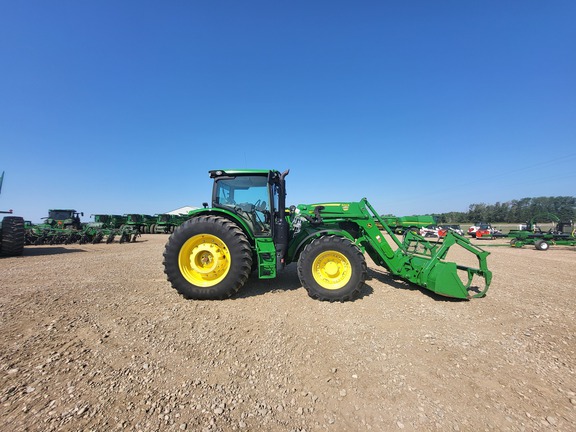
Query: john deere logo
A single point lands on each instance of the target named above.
(345, 207)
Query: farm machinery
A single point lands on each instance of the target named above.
(12, 237)
(409, 223)
(63, 226)
(486, 231)
(248, 228)
(139, 222)
(108, 227)
(167, 223)
(561, 233)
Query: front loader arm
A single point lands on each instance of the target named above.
(423, 263)
(413, 259)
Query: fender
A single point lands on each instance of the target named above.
(228, 215)
(297, 247)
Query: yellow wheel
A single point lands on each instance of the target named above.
(204, 260)
(207, 257)
(331, 270)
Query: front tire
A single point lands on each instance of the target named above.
(207, 258)
(332, 268)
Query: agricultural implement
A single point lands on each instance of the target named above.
(108, 227)
(167, 223)
(148, 224)
(12, 238)
(409, 223)
(65, 227)
(248, 228)
(562, 233)
(137, 222)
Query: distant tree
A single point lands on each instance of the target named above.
(514, 211)
(477, 212)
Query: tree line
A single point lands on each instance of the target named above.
(515, 211)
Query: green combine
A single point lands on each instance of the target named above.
(248, 228)
(167, 223)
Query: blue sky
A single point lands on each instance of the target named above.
(421, 106)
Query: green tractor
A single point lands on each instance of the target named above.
(12, 233)
(64, 219)
(248, 228)
(61, 226)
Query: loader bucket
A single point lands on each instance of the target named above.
(425, 265)
(444, 280)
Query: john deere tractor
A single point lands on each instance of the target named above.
(248, 228)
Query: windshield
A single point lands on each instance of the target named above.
(247, 196)
(61, 214)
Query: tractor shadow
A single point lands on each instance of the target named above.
(48, 250)
(286, 280)
(401, 284)
(40, 250)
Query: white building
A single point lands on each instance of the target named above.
(182, 210)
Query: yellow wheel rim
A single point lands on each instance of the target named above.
(204, 260)
(331, 270)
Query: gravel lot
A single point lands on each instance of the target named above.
(94, 338)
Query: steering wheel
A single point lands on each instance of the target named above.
(260, 206)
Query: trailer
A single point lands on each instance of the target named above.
(563, 233)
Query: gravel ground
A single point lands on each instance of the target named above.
(94, 338)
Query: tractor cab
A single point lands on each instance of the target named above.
(64, 218)
(247, 195)
(256, 196)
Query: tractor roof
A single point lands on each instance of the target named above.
(218, 173)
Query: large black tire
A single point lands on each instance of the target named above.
(332, 268)
(13, 236)
(207, 258)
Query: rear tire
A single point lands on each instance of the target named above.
(13, 236)
(332, 268)
(207, 258)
